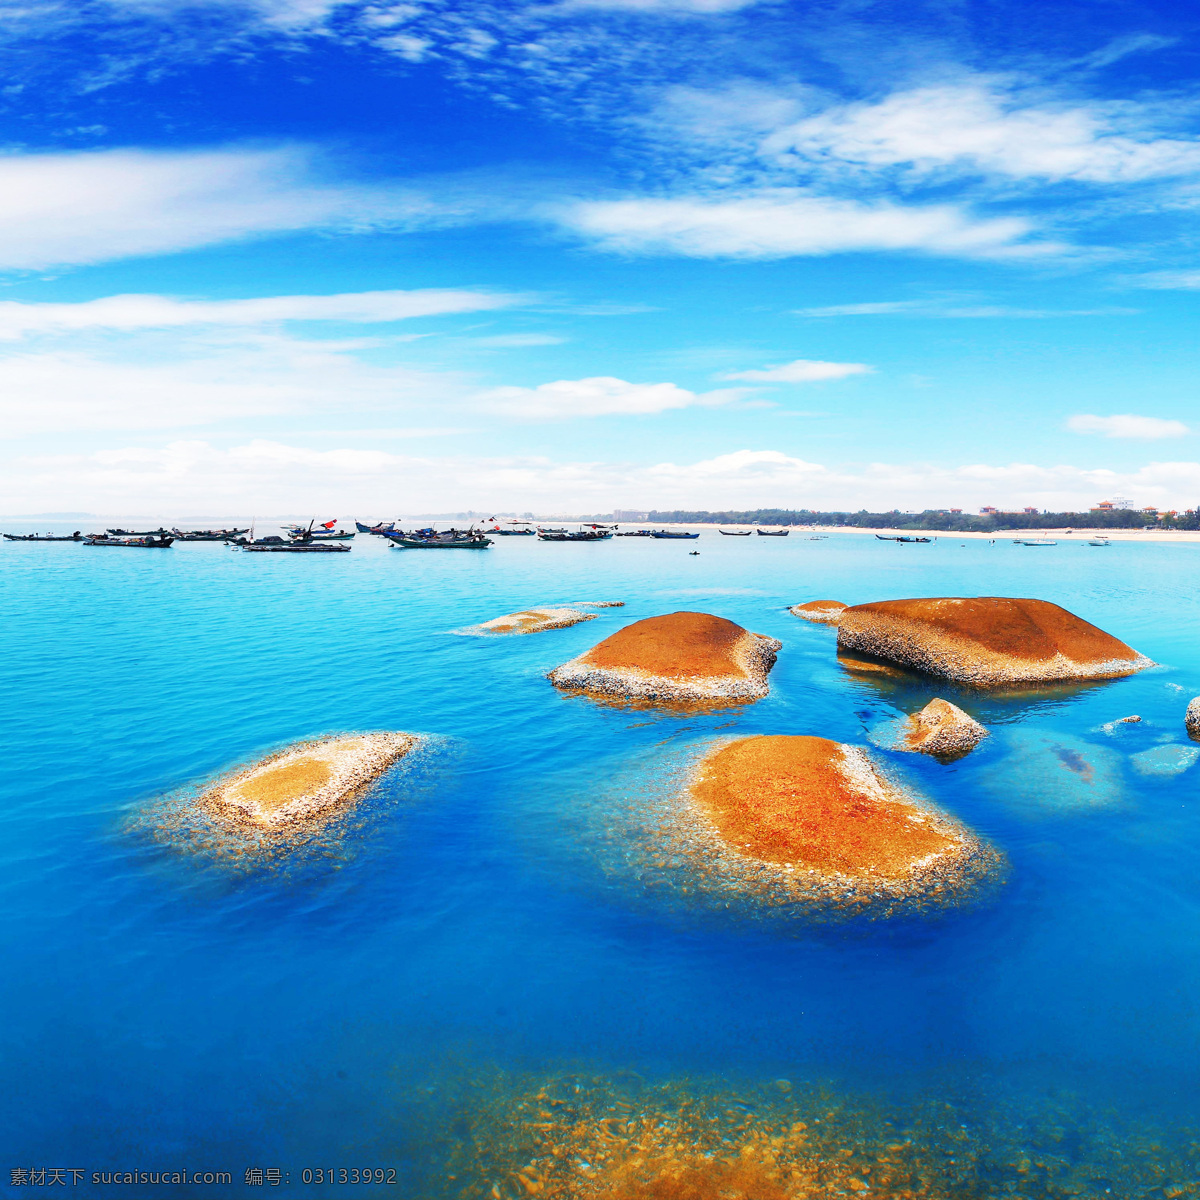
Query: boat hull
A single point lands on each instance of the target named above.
(420, 544)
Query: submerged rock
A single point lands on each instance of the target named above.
(307, 779)
(943, 730)
(1056, 773)
(823, 612)
(531, 620)
(683, 656)
(823, 807)
(987, 640)
(597, 603)
(1165, 760)
(1191, 719)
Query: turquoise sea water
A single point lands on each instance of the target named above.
(488, 906)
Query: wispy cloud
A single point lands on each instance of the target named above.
(781, 223)
(993, 127)
(936, 309)
(802, 370)
(1128, 426)
(58, 209)
(132, 312)
(600, 396)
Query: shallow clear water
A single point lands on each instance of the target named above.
(165, 1007)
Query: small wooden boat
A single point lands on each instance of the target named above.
(734, 532)
(146, 542)
(676, 534)
(139, 532)
(902, 538)
(474, 542)
(380, 529)
(582, 535)
(206, 535)
(636, 533)
(515, 529)
(772, 532)
(44, 537)
(1039, 542)
(282, 547)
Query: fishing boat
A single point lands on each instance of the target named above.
(160, 532)
(1039, 542)
(636, 533)
(672, 533)
(474, 541)
(266, 545)
(586, 534)
(143, 542)
(380, 529)
(772, 532)
(1096, 541)
(734, 532)
(207, 535)
(44, 537)
(902, 538)
(515, 529)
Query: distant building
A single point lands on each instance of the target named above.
(1104, 506)
(955, 510)
(1031, 511)
(988, 510)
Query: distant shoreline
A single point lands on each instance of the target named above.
(1000, 535)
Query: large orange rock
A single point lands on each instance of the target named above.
(680, 656)
(824, 807)
(987, 640)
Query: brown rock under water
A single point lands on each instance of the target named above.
(680, 656)
(306, 779)
(822, 805)
(531, 620)
(987, 640)
(943, 730)
(823, 612)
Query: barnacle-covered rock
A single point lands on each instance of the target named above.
(683, 656)
(987, 640)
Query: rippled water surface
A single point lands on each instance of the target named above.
(488, 917)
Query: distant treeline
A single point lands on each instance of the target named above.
(932, 519)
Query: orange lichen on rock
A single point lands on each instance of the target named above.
(822, 806)
(531, 620)
(987, 640)
(680, 656)
(306, 779)
(823, 612)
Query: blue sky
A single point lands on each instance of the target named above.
(413, 255)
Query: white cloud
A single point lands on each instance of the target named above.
(1128, 426)
(932, 308)
(600, 396)
(1169, 280)
(205, 383)
(58, 209)
(780, 223)
(193, 477)
(133, 312)
(803, 370)
(989, 126)
(663, 7)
